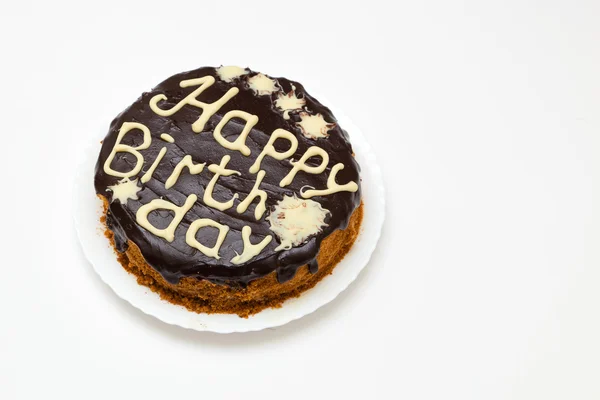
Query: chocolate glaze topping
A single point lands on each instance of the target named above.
(175, 260)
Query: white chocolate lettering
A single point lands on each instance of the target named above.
(167, 138)
(269, 149)
(332, 185)
(250, 250)
(240, 142)
(167, 233)
(256, 192)
(300, 165)
(146, 177)
(186, 162)
(218, 170)
(190, 237)
(118, 147)
(208, 110)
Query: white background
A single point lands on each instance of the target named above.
(485, 117)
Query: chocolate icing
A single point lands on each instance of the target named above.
(177, 259)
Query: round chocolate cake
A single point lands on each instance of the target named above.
(228, 191)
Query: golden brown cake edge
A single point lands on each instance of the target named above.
(202, 296)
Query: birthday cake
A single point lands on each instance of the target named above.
(228, 191)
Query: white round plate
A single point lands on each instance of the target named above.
(87, 209)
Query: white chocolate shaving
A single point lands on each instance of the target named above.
(250, 250)
(219, 170)
(269, 149)
(124, 190)
(190, 237)
(240, 143)
(262, 85)
(300, 165)
(146, 177)
(289, 102)
(167, 233)
(186, 162)
(314, 126)
(256, 192)
(208, 109)
(332, 185)
(118, 147)
(167, 138)
(294, 220)
(231, 72)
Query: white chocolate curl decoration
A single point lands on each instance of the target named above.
(294, 220)
(289, 102)
(314, 126)
(262, 85)
(230, 73)
(208, 110)
(124, 190)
